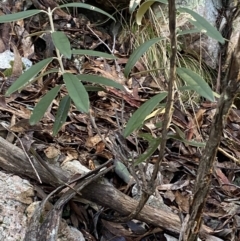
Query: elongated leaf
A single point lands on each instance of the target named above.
(16, 16)
(179, 132)
(136, 55)
(86, 6)
(146, 136)
(38, 77)
(191, 143)
(93, 53)
(77, 92)
(122, 171)
(100, 80)
(43, 104)
(139, 115)
(90, 88)
(196, 82)
(62, 43)
(62, 114)
(195, 30)
(144, 7)
(153, 145)
(27, 76)
(202, 24)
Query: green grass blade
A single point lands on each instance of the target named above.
(16, 16)
(153, 145)
(93, 53)
(191, 143)
(136, 55)
(62, 114)
(100, 80)
(27, 76)
(86, 6)
(43, 104)
(190, 31)
(139, 115)
(146, 136)
(196, 82)
(202, 24)
(77, 92)
(61, 42)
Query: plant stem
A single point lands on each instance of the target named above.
(59, 57)
(171, 92)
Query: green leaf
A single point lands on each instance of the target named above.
(136, 55)
(140, 114)
(190, 31)
(100, 80)
(27, 76)
(93, 53)
(16, 16)
(153, 145)
(146, 136)
(38, 77)
(122, 171)
(62, 43)
(90, 88)
(62, 114)
(179, 132)
(191, 143)
(86, 6)
(144, 8)
(77, 92)
(43, 104)
(196, 82)
(180, 136)
(202, 24)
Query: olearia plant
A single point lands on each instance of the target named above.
(76, 90)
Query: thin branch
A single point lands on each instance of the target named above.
(204, 175)
(172, 78)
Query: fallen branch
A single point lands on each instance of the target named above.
(13, 159)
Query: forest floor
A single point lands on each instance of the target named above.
(88, 141)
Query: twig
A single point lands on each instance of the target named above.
(92, 119)
(110, 50)
(228, 155)
(88, 26)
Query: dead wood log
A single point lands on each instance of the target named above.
(13, 160)
(106, 195)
